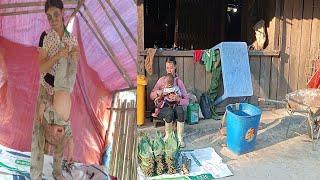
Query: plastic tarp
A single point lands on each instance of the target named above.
(16, 165)
(97, 76)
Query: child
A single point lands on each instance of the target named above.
(164, 100)
(57, 114)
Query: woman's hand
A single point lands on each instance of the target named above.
(64, 52)
(159, 92)
(175, 97)
(75, 54)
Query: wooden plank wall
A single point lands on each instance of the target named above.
(299, 43)
(197, 80)
(295, 28)
(194, 76)
(197, 23)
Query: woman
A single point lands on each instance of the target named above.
(168, 113)
(58, 48)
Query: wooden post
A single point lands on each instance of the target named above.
(140, 9)
(176, 24)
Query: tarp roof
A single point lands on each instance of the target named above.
(107, 64)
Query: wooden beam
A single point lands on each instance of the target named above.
(176, 26)
(274, 53)
(120, 35)
(121, 21)
(77, 9)
(28, 12)
(32, 4)
(264, 53)
(140, 10)
(113, 58)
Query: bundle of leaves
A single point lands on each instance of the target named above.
(171, 149)
(158, 150)
(145, 155)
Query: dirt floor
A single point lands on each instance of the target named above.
(275, 156)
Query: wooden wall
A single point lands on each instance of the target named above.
(194, 76)
(197, 80)
(198, 24)
(293, 29)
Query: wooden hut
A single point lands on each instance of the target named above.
(282, 66)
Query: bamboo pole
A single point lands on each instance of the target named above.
(129, 144)
(115, 61)
(114, 142)
(120, 35)
(135, 153)
(77, 9)
(121, 142)
(32, 4)
(125, 147)
(133, 139)
(121, 21)
(111, 54)
(28, 12)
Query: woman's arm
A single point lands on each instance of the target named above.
(157, 90)
(184, 101)
(46, 62)
(75, 53)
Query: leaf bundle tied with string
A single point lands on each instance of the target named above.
(145, 155)
(158, 150)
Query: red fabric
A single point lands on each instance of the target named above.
(314, 82)
(90, 100)
(197, 54)
(27, 28)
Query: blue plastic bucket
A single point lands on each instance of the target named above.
(242, 121)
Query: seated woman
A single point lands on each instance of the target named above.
(172, 113)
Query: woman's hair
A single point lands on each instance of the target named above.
(171, 59)
(53, 3)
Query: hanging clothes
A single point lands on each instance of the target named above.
(197, 55)
(149, 60)
(314, 82)
(207, 59)
(215, 79)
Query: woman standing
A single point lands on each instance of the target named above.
(51, 123)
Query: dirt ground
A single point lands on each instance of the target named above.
(275, 156)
